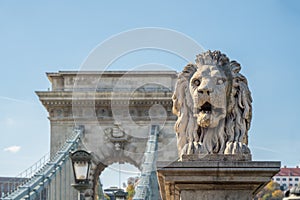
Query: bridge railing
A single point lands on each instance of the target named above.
(148, 182)
(11, 184)
(42, 176)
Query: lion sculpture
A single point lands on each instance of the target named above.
(212, 103)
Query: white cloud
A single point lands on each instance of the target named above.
(9, 121)
(13, 149)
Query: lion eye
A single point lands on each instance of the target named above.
(220, 81)
(197, 82)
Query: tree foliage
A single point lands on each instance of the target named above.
(277, 194)
(130, 191)
(270, 192)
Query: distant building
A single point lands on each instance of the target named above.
(287, 177)
(8, 184)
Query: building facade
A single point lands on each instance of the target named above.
(287, 177)
(8, 184)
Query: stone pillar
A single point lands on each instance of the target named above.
(207, 180)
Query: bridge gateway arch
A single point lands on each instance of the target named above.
(116, 109)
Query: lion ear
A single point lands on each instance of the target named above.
(235, 67)
(188, 70)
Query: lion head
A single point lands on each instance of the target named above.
(213, 104)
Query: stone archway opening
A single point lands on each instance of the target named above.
(114, 175)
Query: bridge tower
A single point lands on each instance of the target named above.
(116, 109)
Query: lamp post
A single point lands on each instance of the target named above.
(81, 163)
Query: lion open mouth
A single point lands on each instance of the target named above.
(204, 115)
(209, 115)
(206, 108)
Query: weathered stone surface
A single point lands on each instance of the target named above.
(100, 100)
(207, 180)
(116, 108)
(213, 104)
(216, 157)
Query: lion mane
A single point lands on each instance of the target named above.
(232, 134)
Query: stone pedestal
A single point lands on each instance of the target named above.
(214, 180)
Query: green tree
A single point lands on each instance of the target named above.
(131, 191)
(277, 194)
(266, 196)
(270, 192)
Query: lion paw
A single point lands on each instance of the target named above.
(236, 148)
(191, 148)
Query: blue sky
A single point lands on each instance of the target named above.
(48, 36)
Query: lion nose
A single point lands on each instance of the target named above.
(205, 90)
(205, 87)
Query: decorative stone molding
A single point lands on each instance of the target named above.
(207, 180)
(117, 136)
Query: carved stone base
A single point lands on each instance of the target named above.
(207, 180)
(217, 157)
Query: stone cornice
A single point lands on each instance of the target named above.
(70, 95)
(63, 105)
(111, 73)
(62, 99)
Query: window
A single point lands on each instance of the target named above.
(277, 179)
(296, 184)
(291, 185)
(290, 179)
(284, 179)
(296, 179)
